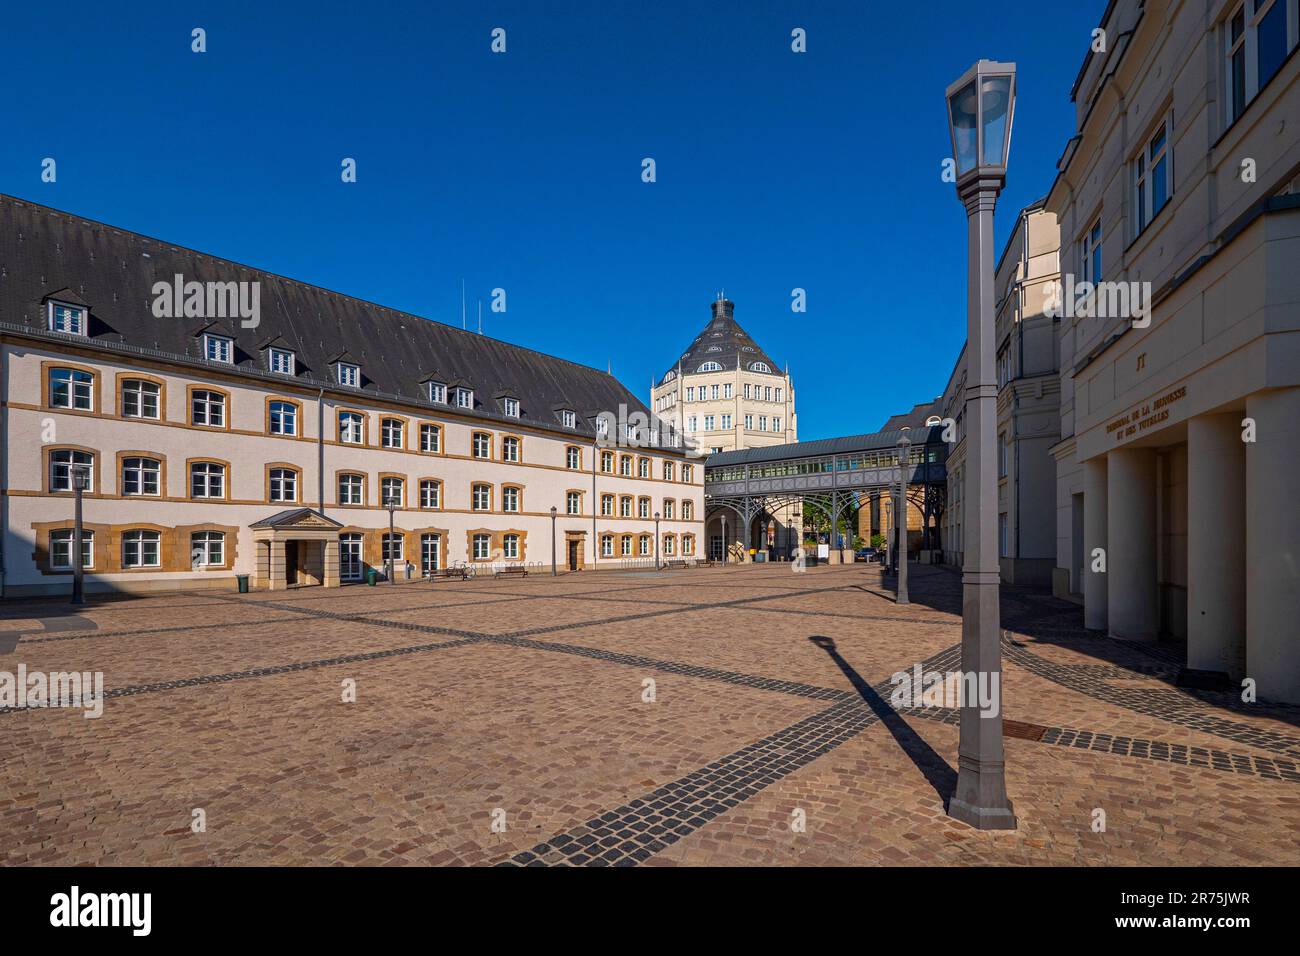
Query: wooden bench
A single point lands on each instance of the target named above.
(675, 565)
(518, 569)
(462, 573)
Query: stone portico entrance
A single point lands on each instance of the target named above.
(295, 548)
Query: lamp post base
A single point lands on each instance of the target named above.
(982, 818)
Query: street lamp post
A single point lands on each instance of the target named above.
(656, 541)
(904, 453)
(981, 107)
(554, 511)
(391, 505)
(80, 480)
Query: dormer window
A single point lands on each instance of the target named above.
(280, 361)
(438, 393)
(67, 318)
(710, 367)
(510, 406)
(463, 397)
(760, 367)
(348, 374)
(217, 348)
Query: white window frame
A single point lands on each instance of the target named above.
(572, 503)
(480, 444)
(210, 475)
(283, 418)
(430, 493)
(80, 388)
(392, 433)
(510, 499)
(134, 550)
(1253, 13)
(511, 407)
(464, 397)
(430, 447)
(281, 361)
(569, 419)
(73, 321)
(143, 468)
(481, 492)
(209, 400)
(482, 547)
(351, 489)
(211, 542)
(348, 374)
(137, 389)
(61, 470)
(61, 539)
(438, 393)
(1091, 263)
(218, 348)
(510, 546)
(352, 428)
(387, 485)
(1143, 166)
(283, 480)
(510, 448)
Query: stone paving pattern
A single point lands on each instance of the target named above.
(521, 701)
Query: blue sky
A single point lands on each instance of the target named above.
(522, 171)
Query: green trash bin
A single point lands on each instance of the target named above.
(242, 581)
(372, 576)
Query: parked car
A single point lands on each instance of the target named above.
(866, 554)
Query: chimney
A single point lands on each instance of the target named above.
(723, 308)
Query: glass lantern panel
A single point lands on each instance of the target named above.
(996, 104)
(964, 130)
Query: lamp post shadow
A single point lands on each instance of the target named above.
(936, 770)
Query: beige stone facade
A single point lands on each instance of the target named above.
(1181, 429)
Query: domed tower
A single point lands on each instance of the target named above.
(725, 391)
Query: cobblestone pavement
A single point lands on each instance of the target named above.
(714, 716)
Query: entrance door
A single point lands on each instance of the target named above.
(715, 547)
(290, 563)
(573, 555)
(350, 557)
(430, 552)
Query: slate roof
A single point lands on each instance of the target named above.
(722, 341)
(825, 446)
(43, 251)
(916, 417)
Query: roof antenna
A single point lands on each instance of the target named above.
(462, 304)
(480, 322)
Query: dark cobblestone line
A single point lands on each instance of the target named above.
(183, 682)
(1174, 707)
(632, 833)
(89, 635)
(1143, 748)
(794, 688)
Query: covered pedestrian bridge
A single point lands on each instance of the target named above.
(754, 498)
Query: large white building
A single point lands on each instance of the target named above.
(218, 445)
(726, 393)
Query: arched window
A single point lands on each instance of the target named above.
(760, 367)
(709, 367)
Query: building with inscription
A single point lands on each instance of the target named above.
(1180, 420)
(725, 393)
(269, 443)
